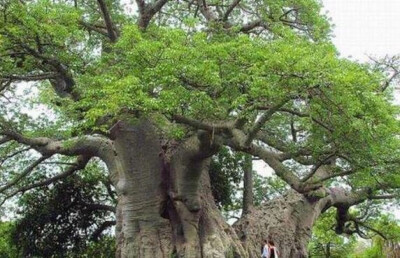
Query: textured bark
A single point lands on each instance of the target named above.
(166, 208)
(165, 205)
(141, 231)
(248, 184)
(287, 221)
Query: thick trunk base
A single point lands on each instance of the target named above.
(165, 208)
(287, 221)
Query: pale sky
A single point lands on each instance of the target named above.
(365, 27)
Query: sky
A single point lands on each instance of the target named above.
(365, 27)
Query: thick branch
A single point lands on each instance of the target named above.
(248, 184)
(206, 11)
(30, 77)
(147, 11)
(108, 21)
(5, 139)
(248, 27)
(98, 29)
(100, 207)
(340, 197)
(384, 197)
(85, 145)
(106, 224)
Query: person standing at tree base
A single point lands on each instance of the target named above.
(272, 250)
(265, 249)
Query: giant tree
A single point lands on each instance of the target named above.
(155, 90)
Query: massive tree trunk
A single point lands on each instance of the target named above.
(286, 220)
(165, 206)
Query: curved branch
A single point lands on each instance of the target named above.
(30, 77)
(371, 228)
(317, 166)
(300, 114)
(64, 82)
(103, 207)
(147, 11)
(106, 224)
(343, 173)
(85, 145)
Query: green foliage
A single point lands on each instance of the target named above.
(104, 248)
(267, 188)
(61, 219)
(376, 250)
(325, 241)
(388, 227)
(226, 176)
(226, 172)
(209, 75)
(7, 247)
(167, 71)
(203, 71)
(354, 246)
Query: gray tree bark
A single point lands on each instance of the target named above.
(248, 184)
(166, 208)
(165, 205)
(287, 221)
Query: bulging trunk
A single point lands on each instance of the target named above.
(165, 206)
(136, 167)
(287, 221)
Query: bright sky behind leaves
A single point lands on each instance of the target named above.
(362, 28)
(365, 27)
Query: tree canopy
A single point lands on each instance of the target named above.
(260, 77)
